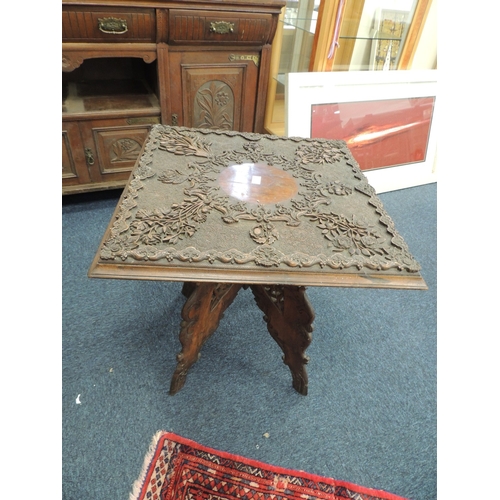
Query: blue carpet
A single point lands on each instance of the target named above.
(369, 417)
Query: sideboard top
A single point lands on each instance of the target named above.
(213, 4)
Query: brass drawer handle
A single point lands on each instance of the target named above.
(112, 25)
(221, 27)
(89, 157)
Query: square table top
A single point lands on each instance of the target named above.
(233, 207)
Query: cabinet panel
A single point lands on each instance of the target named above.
(214, 89)
(74, 167)
(117, 148)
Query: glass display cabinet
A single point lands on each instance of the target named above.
(343, 35)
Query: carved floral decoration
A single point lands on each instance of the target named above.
(152, 234)
(125, 150)
(214, 106)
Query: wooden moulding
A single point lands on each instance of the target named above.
(206, 275)
(273, 6)
(414, 33)
(74, 54)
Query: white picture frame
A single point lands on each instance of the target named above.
(309, 95)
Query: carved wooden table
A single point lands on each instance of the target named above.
(224, 210)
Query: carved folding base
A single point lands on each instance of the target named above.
(287, 312)
(289, 317)
(201, 315)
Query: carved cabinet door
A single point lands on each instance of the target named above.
(114, 146)
(105, 152)
(214, 89)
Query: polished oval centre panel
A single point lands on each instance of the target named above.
(258, 183)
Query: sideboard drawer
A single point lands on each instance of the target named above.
(108, 25)
(192, 26)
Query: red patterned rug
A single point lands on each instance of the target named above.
(179, 469)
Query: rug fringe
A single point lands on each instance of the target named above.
(139, 482)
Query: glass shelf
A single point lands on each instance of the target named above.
(289, 26)
(370, 38)
(301, 15)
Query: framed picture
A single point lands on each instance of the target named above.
(387, 118)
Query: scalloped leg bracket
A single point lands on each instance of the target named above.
(201, 315)
(289, 316)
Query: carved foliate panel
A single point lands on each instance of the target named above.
(118, 148)
(124, 150)
(214, 106)
(175, 211)
(214, 89)
(212, 97)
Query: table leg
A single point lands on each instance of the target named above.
(289, 316)
(188, 288)
(201, 315)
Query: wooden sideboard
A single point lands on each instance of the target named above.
(128, 64)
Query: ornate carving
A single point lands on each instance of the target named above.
(71, 61)
(158, 226)
(317, 152)
(125, 150)
(289, 317)
(218, 293)
(186, 144)
(351, 240)
(275, 293)
(214, 106)
(287, 312)
(355, 236)
(201, 315)
(264, 233)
